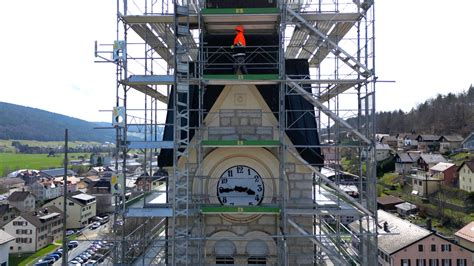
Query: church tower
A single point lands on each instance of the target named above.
(252, 158)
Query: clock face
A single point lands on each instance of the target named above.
(240, 185)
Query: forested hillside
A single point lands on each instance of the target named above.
(442, 115)
(25, 123)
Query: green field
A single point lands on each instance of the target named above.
(5, 145)
(10, 162)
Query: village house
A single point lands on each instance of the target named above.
(387, 203)
(405, 162)
(46, 188)
(465, 237)
(382, 151)
(80, 208)
(148, 183)
(12, 184)
(468, 142)
(407, 141)
(406, 208)
(390, 141)
(426, 161)
(24, 201)
(466, 176)
(445, 171)
(401, 243)
(428, 143)
(72, 183)
(5, 239)
(101, 190)
(57, 172)
(7, 213)
(448, 143)
(34, 230)
(425, 185)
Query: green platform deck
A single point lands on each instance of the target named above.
(239, 143)
(220, 11)
(240, 209)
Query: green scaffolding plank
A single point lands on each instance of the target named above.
(240, 209)
(233, 143)
(241, 77)
(219, 11)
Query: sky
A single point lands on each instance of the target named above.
(423, 48)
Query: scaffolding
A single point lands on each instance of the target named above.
(165, 65)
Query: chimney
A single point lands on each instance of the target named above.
(385, 227)
(429, 225)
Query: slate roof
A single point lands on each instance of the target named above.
(388, 138)
(428, 137)
(432, 158)
(381, 146)
(57, 172)
(406, 157)
(34, 217)
(385, 200)
(401, 232)
(452, 138)
(467, 232)
(469, 164)
(4, 208)
(12, 181)
(19, 195)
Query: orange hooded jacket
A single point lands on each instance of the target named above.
(239, 39)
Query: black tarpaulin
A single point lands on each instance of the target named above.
(300, 115)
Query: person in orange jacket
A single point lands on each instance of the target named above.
(238, 48)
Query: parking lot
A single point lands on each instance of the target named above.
(87, 249)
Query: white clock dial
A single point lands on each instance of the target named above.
(240, 185)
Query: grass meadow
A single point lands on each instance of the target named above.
(10, 162)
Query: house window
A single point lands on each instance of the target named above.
(71, 203)
(420, 248)
(445, 262)
(405, 262)
(461, 262)
(434, 262)
(446, 247)
(224, 260)
(433, 247)
(257, 260)
(420, 262)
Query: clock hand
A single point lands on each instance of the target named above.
(244, 189)
(225, 190)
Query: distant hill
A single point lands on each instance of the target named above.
(25, 123)
(451, 114)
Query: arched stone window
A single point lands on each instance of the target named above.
(257, 252)
(224, 251)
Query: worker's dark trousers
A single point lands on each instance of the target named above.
(240, 63)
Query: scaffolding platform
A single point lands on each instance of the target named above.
(244, 79)
(240, 143)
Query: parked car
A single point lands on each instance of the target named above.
(74, 263)
(70, 232)
(45, 262)
(54, 256)
(91, 263)
(95, 225)
(74, 243)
